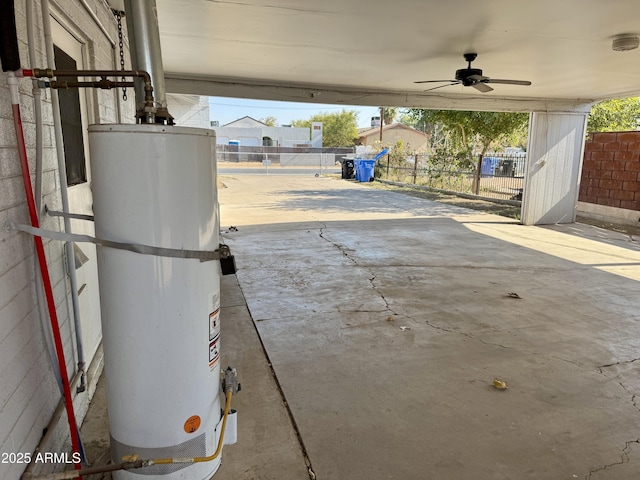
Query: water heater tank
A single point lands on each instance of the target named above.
(156, 185)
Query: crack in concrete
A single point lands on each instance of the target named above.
(388, 308)
(633, 395)
(623, 362)
(372, 279)
(495, 344)
(560, 359)
(601, 371)
(624, 458)
(626, 449)
(468, 335)
(341, 248)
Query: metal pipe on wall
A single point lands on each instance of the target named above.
(62, 174)
(146, 114)
(145, 52)
(97, 21)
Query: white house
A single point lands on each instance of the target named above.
(251, 132)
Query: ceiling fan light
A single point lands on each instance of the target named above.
(624, 43)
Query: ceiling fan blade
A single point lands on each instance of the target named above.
(509, 82)
(483, 87)
(442, 86)
(434, 81)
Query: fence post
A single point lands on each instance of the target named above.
(415, 167)
(388, 166)
(476, 180)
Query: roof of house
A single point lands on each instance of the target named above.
(367, 132)
(246, 120)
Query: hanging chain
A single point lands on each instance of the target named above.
(118, 15)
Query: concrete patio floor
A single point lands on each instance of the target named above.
(367, 328)
(386, 319)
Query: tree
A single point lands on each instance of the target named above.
(338, 129)
(615, 115)
(269, 121)
(390, 114)
(413, 121)
(470, 132)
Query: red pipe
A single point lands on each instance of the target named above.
(46, 280)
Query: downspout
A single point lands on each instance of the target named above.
(62, 173)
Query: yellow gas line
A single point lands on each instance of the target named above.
(167, 461)
(131, 462)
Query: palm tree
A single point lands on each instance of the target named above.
(389, 114)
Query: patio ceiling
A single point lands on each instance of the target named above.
(370, 53)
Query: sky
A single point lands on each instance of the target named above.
(226, 110)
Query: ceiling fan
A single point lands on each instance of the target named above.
(472, 77)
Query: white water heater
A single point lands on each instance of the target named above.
(155, 185)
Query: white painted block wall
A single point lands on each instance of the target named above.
(28, 390)
(189, 110)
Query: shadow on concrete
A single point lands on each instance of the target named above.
(367, 201)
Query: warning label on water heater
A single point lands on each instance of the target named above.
(214, 324)
(214, 329)
(214, 352)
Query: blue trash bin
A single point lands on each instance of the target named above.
(489, 165)
(366, 167)
(357, 166)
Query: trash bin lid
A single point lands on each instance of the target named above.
(383, 152)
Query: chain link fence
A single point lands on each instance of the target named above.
(283, 156)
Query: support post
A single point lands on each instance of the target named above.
(554, 166)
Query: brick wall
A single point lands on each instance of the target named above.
(611, 170)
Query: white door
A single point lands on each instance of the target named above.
(70, 51)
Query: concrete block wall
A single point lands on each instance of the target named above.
(189, 110)
(611, 170)
(29, 394)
